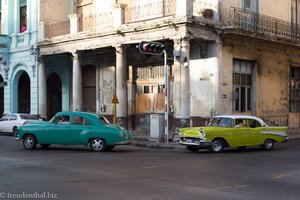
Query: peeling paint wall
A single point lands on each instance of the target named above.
(106, 88)
(203, 83)
(270, 74)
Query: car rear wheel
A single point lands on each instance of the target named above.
(217, 146)
(29, 142)
(98, 144)
(268, 144)
(192, 148)
(14, 131)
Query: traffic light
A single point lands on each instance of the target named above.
(155, 48)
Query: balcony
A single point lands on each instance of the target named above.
(5, 42)
(258, 25)
(95, 22)
(150, 11)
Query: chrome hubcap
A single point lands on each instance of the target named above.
(269, 144)
(217, 146)
(97, 144)
(28, 142)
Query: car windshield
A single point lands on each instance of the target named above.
(221, 122)
(29, 117)
(103, 120)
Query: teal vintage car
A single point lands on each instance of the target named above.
(73, 128)
(232, 131)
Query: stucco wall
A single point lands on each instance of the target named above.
(270, 75)
(202, 83)
(106, 88)
(275, 8)
(55, 10)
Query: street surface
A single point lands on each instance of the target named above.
(129, 173)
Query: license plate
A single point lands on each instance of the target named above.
(189, 140)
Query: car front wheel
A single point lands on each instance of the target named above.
(217, 146)
(29, 142)
(97, 144)
(268, 144)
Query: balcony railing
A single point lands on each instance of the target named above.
(246, 21)
(5, 42)
(143, 12)
(95, 22)
(57, 29)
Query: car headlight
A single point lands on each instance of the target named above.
(179, 132)
(202, 133)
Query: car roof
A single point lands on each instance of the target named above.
(78, 113)
(238, 117)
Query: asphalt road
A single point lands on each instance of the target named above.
(74, 172)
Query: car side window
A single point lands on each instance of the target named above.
(13, 117)
(253, 123)
(62, 119)
(77, 120)
(5, 118)
(242, 123)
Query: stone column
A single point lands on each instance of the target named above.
(29, 13)
(77, 83)
(16, 16)
(181, 88)
(121, 83)
(74, 23)
(185, 81)
(186, 8)
(42, 88)
(118, 15)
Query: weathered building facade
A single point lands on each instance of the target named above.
(18, 56)
(224, 57)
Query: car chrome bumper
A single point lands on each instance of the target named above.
(123, 142)
(195, 142)
(17, 139)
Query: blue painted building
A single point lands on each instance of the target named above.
(18, 56)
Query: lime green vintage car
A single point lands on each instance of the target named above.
(73, 128)
(232, 131)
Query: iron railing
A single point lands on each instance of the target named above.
(247, 21)
(144, 12)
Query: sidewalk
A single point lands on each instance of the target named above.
(144, 141)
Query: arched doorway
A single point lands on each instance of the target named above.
(1, 97)
(89, 88)
(24, 93)
(54, 95)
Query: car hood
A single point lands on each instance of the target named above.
(37, 123)
(196, 131)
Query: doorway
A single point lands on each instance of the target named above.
(24, 93)
(54, 95)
